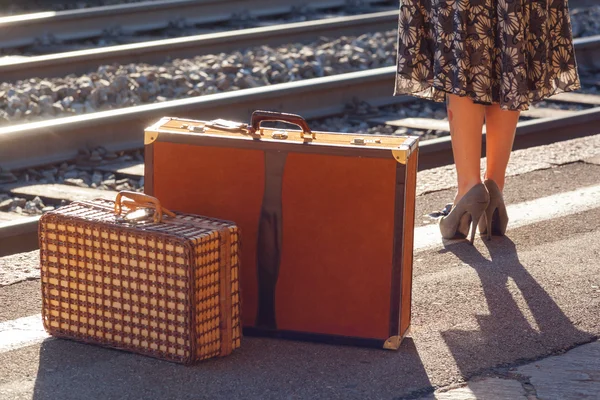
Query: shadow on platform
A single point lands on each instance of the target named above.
(262, 369)
(521, 322)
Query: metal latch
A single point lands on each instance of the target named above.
(225, 125)
(196, 128)
(139, 216)
(361, 140)
(280, 135)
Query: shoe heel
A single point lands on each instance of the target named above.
(474, 223)
(489, 213)
(476, 215)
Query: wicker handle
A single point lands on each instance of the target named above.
(141, 200)
(259, 117)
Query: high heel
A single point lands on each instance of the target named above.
(495, 220)
(468, 211)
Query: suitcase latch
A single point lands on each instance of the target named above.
(225, 125)
(363, 141)
(281, 135)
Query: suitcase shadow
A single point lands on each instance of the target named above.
(262, 369)
(521, 322)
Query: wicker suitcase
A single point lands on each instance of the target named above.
(124, 275)
(327, 219)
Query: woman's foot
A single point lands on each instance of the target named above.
(467, 211)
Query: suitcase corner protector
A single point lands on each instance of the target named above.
(151, 132)
(150, 137)
(402, 153)
(393, 343)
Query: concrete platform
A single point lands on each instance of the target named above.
(481, 315)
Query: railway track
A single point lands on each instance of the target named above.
(84, 61)
(135, 18)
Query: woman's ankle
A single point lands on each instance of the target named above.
(498, 180)
(464, 187)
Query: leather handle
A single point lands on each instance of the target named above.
(261, 116)
(141, 200)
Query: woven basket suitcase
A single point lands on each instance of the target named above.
(327, 217)
(130, 275)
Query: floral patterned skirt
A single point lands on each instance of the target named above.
(507, 52)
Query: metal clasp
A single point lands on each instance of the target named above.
(281, 135)
(361, 141)
(225, 125)
(139, 216)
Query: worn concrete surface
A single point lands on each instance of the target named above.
(573, 375)
(19, 267)
(488, 389)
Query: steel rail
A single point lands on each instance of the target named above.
(83, 61)
(56, 140)
(25, 29)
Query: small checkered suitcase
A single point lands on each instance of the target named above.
(130, 275)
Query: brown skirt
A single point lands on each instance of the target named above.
(507, 52)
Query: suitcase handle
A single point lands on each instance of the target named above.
(260, 116)
(141, 200)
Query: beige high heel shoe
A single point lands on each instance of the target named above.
(467, 211)
(496, 217)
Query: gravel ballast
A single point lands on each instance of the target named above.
(112, 87)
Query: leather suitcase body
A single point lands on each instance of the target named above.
(166, 287)
(327, 220)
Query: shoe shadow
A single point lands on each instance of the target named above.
(521, 322)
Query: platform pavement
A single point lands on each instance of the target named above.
(489, 322)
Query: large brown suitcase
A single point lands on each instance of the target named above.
(124, 275)
(327, 220)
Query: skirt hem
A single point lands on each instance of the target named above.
(436, 93)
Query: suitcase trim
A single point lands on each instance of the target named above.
(397, 262)
(394, 342)
(401, 153)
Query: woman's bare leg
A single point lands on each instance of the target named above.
(500, 128)
(466, 125)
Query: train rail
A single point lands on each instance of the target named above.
(25, 29)
(83, 61)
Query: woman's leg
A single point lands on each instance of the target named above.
(466, 125)
(500, 134)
